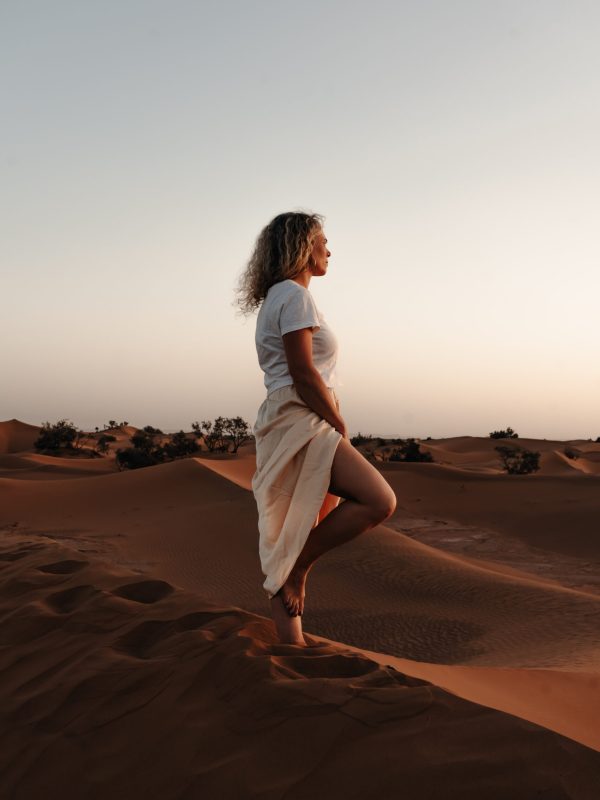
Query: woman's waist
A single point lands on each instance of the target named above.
(289, 389)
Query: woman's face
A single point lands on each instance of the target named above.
(320, 254)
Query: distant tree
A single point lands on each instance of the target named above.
(598, 438)
(518, 461)
(80, 437)
(114, 424)
(507, 434)
(150, 429)
(360, 439)
(236, 430)
(145, 452)
(61, 434)
(410, 450)
(180, 445)
(134, 458)
(142, 440)
(102, 442)
(214, 435)
(197, 432)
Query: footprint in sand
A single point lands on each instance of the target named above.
(144, 591)
(71, 599)
(139, 641)
(63, 567)
(21, 552)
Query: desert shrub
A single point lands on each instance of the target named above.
(146, 453)
(518, 461)
(598, 438)
(102, 442)
(60, 435)
(507, 434)
(142, 440)
(143, 453)
(135, 457)
(180, 445)
(150, 429)
(409, 450)
(237, 431)
(570, 453)
(113, 424)
(360, 439)
(214, 435)
(223, 432)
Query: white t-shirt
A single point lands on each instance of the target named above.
(288, 306)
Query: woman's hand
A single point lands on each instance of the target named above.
(343, 430)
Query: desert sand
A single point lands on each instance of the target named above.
(454, 652)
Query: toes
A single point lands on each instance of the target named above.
(288, 602)
(293, 605)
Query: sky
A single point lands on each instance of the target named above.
(451, 147)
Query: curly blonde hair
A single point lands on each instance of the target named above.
(282, 250)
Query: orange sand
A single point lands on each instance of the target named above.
(455, 650)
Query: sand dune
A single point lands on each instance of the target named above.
(16, 436)
(553, 512)
(192, 645)
(38, 466)
(112, 684)
(400, 596)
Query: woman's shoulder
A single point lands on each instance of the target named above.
(283, 290)
(287, 285)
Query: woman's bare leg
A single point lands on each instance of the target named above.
(369, 500)
(289, 629)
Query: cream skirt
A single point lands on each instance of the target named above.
(294, 453)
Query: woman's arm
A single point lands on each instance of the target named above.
(307, 380)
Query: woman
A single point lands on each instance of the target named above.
(305, 463)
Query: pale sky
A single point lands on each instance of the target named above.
(451, 146)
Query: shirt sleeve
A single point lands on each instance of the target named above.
(298, 311)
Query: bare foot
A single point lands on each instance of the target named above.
(289, 629)
(292, 592)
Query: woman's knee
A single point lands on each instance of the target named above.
(383, 506)
(354, 478)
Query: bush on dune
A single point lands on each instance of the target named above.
(113, 425)
(103, 441)
(180, 445)
(518, 461)
(54, 437)
(507, 434)
(360, 439)
(223, 433)
(409, 450)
